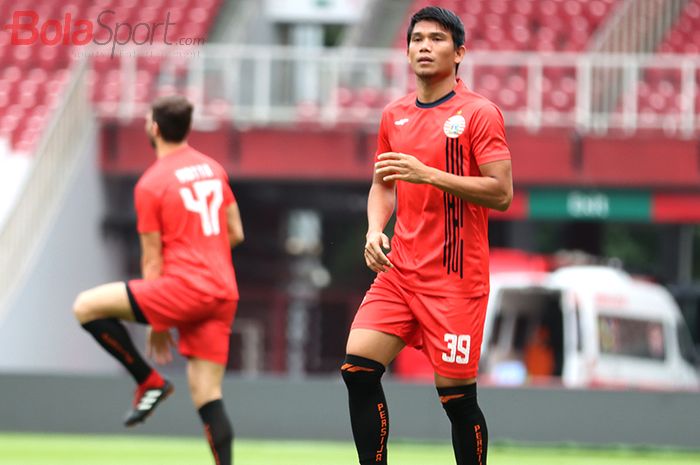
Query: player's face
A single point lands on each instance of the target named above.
(431, 50)
(150, 129)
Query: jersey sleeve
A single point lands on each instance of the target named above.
(228, 196)
(147, 210)
(488, 135)
(383, 137)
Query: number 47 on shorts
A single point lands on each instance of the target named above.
(457, 348)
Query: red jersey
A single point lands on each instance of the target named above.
(440, 242)
(184, 196)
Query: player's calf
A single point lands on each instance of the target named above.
(369, 416)
(152, 389)
(218, 430)
(114, 338)
(469, 432)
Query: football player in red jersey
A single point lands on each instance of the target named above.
(442, 161)
(188, 221)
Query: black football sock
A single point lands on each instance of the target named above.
(218, 430)
(469, 434)
(112, 335)
(369, 416)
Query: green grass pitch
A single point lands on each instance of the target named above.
(26, 449)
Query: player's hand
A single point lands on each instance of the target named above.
(393, 166)
(375, 258)
(158, 344)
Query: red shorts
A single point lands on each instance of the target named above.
(203, 322)
(448, 330)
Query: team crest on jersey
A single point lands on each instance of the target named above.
(454, 126)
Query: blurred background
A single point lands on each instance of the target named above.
(596, 264)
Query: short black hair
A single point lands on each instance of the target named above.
(446, 18)
(173, 113)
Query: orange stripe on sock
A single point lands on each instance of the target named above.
(354, 368)
(118, 347)
(210, 440)
(446, 399)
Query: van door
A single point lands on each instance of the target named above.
(526, 339)
(574, 371)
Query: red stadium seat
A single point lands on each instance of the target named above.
(684, 35)
(218, 108)
(541, 25)
(508, 100)
(369, 96)
(28, 74)
(307, 112)
(164, 90)
(344, 97)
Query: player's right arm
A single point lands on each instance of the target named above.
(148, 224)
(159, 345)
(380, 206)
(151, 255)
(235, 225)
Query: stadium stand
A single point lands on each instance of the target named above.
(526, 55)
(34, 76)
(684, 37)
(547, 25)
(43, 86)
(544, 88)
(659, 91)
(526, 25)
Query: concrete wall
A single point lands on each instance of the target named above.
(39, 333)
(316, 409)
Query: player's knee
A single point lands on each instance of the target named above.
(82, 308)
(459, 401)
(360, 371)
(203, 392)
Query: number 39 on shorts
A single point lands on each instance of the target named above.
(457, 348)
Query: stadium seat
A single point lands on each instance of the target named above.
(544, 25)
(526, 25)
(659, 88)
(30, 79)
(219, 109)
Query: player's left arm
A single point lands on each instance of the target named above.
(235, 225)
(151, 255)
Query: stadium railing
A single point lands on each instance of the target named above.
(264, 85)
(54, 162)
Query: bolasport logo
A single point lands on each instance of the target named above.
(28, 28)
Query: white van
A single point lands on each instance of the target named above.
(586, 326)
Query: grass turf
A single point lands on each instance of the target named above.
(26, 449)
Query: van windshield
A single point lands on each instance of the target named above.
(631, 337)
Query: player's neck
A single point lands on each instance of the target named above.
(163, 149)
(431, 90)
